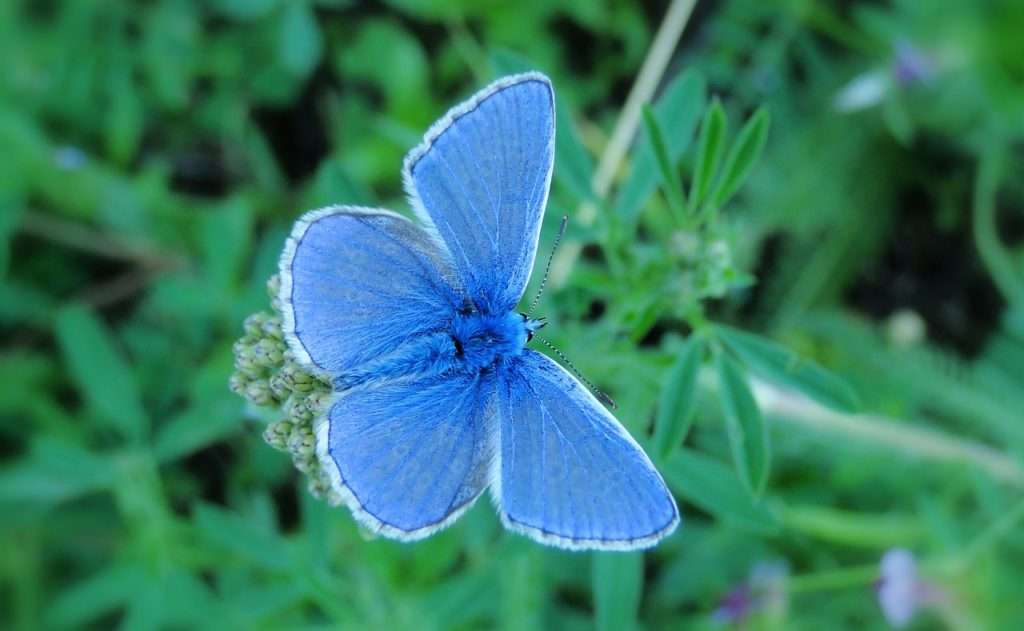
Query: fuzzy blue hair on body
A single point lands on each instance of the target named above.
(437, 395)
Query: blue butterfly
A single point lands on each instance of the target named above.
(436, 395)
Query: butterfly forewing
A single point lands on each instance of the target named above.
(481, 179)
(358, 282)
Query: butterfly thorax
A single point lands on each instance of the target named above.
(481, 340)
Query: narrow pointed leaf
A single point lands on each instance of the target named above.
(743, 154)
(710, 147)
(102, 593)
(677, 112)
(780, 365)
(713, 486)
(678, 398)
(748, 435)
(618, 584)
(99, 372)
(670, 183)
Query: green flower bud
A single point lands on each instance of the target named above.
(276, 435)
(238, 383)
(253, 324)
(259, 393)
(273, 286)
(272, 327)
(279, 386)
(306, 463)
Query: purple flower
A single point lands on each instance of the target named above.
(898, 586)
(910, 65)
(901, 590)
(736, 606)
(763, 590)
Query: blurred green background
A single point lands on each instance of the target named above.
(153, 155)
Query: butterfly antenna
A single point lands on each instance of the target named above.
(547, 268)
(601, 396)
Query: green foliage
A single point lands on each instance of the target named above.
(742, 156)
(839, 281)
(102, 376)
(776, 363)
(676, 113)
(678, 401)
(618, 585)
(748, 434)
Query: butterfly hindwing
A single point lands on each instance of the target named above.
(358, 282)
(409, 456)
(570, 475)
(481, 179)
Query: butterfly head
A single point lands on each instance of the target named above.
(531, 325)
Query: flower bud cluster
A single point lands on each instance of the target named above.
(267, 375)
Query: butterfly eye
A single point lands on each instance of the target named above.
(458, 346)
(529, 335)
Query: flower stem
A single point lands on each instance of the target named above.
(647, 80)
(924, 443)
(646, 83)
(989, 537)
(1004, 273)
(833, 579)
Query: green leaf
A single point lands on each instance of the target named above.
(225, 234)
(242, 537)
(301, 44)
(778, 364)
(10, 216)
(678, 398)
(102, 376)
(743, 154)
(55, 471)
(124, 118)
(523, 586)
(573, 165)
(676, 113)
(618, 584)
(714, 487)
(197, 427)
(334, 184)
(244, 10)
(670, 182)
(710, 148)
(104, 592)
(748, 435)
(26, 304)
(400, 67)
(145, 611)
